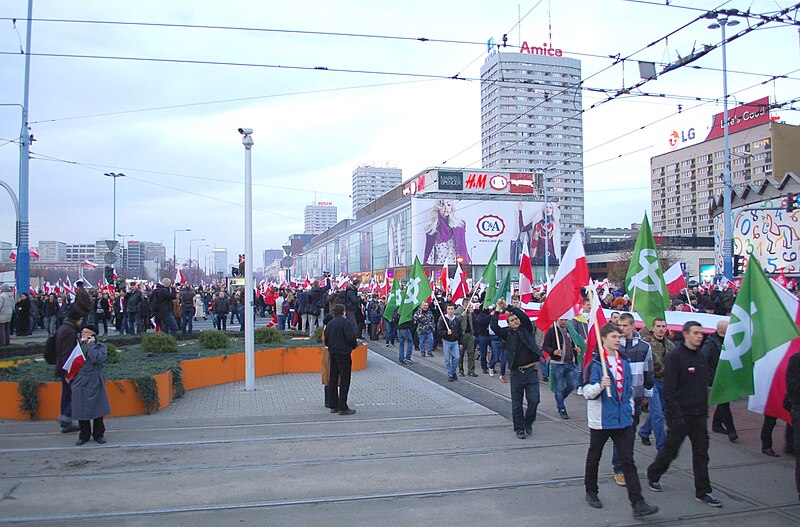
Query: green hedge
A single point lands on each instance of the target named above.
(159, 343)
(214, 340)
(267, 335)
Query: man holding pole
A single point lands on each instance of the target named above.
(449, 329)
(609, 394)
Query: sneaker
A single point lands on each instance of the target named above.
(455, 377)
(401, 361)
(646, 440)
(710, 500)
(503, 378)
(521, 434)
(101, 440)
(491, 372)
(594, 501)
(529, 430)
(473, 374)
(349, 411)
(620, 479)
(70, 428)
(485, 372)
(409, 361)
(450, 378)
(563, 414)
(655, 486)
(641, 509)
(80, 442)
(579, 391)
(461, 372)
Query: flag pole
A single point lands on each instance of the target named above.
(444, 318)
(555, 329)
(600, 350)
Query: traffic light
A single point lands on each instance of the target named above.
(108, 271)
(792, 202)
(739, 265)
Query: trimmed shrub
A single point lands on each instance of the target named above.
(159, 343)
(318, 334)
(214, 340)
(267, 335)
(113, 353)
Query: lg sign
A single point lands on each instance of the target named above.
(491, 226)
(676, 138)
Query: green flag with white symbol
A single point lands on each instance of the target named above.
(489, 277)
(417, 291)
(395, 297)
(645, 279)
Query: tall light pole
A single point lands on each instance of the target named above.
(174, 261)
(23, 267)
(115, 176)
(198, 261)
(722, 21)
(249, 321)
(190, 254)
(124, 251)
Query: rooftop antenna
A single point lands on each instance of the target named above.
(549, 24)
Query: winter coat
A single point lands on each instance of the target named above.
(455, 329)
(7, 304)
(83, 302)
(66, 338)
(89, 397)
(186, 298)
(686, 378)
(302, 303)
(221, 306)
(198, 305)
(516, 339)
(604, 412)
(340, 336)
(164, 297)
(638, 353)
(132, 300)
(425, 321)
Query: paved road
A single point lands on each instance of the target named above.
(420, 451)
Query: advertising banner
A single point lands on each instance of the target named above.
(442, 230)
(397, 239)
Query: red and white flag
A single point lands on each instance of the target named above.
(386, 287)
(459, 288)
(342, 281)
(525, 276)
(90, 265)
(68, 287)
(781, 279)
(443, 276)
(596, 317)
(74, 362)
(565, 292)
(33, 252)
(179, 279)
(675, 280)
(12, 256)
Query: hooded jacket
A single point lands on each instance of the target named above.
(604, 412)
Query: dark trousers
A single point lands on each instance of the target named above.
(187, 314)
(623, 445)
(524, 383)
(766, 433)
(102, 318)
(796, 444)
(696, 429)
(339, 382)
(222, 321)
(119, 319)
(66, 404)
(616, 462)
(5, 333)
(86, 428)
(723, 418)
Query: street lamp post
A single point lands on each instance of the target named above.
(722, 21)
(190, 255)
(198, 261)
(123, 250)
(115, 176)
(249, 320)
(174, 240)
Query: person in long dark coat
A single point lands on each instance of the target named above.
(89, 397)
(23, 315)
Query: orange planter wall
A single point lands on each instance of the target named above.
(197, 373)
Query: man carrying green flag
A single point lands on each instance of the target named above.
(417, 291)
(505, 290)
(489, 277)
(645, 279)
(395, 297)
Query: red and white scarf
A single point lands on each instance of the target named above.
(619, 374)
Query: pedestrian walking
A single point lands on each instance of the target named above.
(340, 337)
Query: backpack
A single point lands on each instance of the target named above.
(50, 350)
(153, 301)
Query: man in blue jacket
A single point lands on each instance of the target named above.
(610, 409)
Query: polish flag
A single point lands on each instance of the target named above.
(91, 265)
(675, 280)
(459, 286)
(307, 281)
(781, 279)
(565, 291)
(596, 318)
(74, 362)
(342, 282)
(12, 256)
(525, 276)
(443, 276)
(32, 290)
(385, 286)
(68, 287)
(179, 279)
(33, 253)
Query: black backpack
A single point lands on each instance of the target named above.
(153, 301)
(50, 350)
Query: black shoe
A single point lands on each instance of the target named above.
(655, 486)
(594, 501)
(450, 379)
(529, 430)
(563, 414)
(646, 441)
(461, 372)
(473, 374)
(710, 500)
(642, 509)
(769, 452)
(349, 411)
(455, 377)
(732, 437)
(485, 372)
(80, 442)
(521, 434)
(334, 410)
(101, 440)
(69, 429)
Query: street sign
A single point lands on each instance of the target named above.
(111, 244)
(110, 258)
(287, 262)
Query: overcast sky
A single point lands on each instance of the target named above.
(171, 127)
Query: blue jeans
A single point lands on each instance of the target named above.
(66, 404)
(524, 383)
(391, 333)
(483, 346)
(425, 343)
(498, 355)
(281, 322)
(186, 319)
(133, 322)
(450, 355)
(655, 418)
(170, 325)
(406, 344)
(565, 380)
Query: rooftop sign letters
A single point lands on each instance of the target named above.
(543, 50)
(742, 117)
